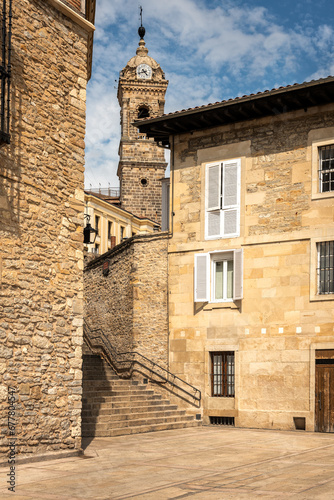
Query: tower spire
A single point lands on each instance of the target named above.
(141, 30)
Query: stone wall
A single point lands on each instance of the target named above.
(141, 190)
(130, 303)
(41, 211)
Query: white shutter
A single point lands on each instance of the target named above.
(202, 277)
(231, 199)
(213, 187)
(238, 274)
(231, 222)
(230, 184)
(213, 223)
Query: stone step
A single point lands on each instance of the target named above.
(114, 379)
(117, 390)
(107, 398)
(96, 411)
(105, 426)
(124, 404)
(119, 417)
(140, 429)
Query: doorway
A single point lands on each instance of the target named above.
(324, 391)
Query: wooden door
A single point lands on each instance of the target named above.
(324, 395)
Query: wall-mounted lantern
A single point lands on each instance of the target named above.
(89, 232)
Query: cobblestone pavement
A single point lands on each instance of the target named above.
(208, 463)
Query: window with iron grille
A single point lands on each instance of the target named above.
(222, 374)
(326, 168)
(5, 70)
(325, 267)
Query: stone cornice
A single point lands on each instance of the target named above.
(75, 16)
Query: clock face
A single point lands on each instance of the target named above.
(144, 71)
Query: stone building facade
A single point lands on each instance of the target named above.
(129, 302)
(141, 93)
(41, 240)
(250, 259)
(112, 223)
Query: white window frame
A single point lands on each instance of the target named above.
(220, 257)
(204, 275)
(222, 205)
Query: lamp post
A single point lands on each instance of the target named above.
(89, 232)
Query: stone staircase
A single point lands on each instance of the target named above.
(113, 406)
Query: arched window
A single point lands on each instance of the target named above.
(143, 112)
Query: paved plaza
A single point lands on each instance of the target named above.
(208, 463)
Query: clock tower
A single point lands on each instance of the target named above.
(141, 94)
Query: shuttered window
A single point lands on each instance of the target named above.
(222, 200)
(218, 276)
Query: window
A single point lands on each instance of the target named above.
(109, 229)
(222, 200)
(222, 374)
(122, 233)
(326, 168)
(97, 224)
(218, 276)
(222, 274)
(325, 267)
(143, 112)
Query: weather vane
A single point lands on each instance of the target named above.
(141, 30)
(141, 15)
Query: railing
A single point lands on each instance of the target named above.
(5, 70)
(125, 363)
(112, 192)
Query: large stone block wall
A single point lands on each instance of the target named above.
(143, 200)
(130, 303)
(280, 322)
(41, 242)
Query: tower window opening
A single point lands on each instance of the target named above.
(143, 112)
(143, 182)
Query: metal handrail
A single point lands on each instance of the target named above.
(112, 357)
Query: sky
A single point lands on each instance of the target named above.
(210, 50)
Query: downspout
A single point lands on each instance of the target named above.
(170, 235)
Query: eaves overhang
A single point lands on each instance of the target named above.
(248, 107)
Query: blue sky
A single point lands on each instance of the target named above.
(210, 50)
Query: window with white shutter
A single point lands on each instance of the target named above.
(222, 200)
(218, 276)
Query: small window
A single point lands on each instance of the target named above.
(218, 276)
(326, 168)
(222, 374)
(325, 267)
(122, 233)
(143, 112)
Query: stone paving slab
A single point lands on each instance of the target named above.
(209, 463)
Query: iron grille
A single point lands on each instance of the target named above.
(326, 168)
(222, 421)
(222, 374)
(326, 267)
(5, 70)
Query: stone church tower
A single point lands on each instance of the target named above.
(141, 94)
